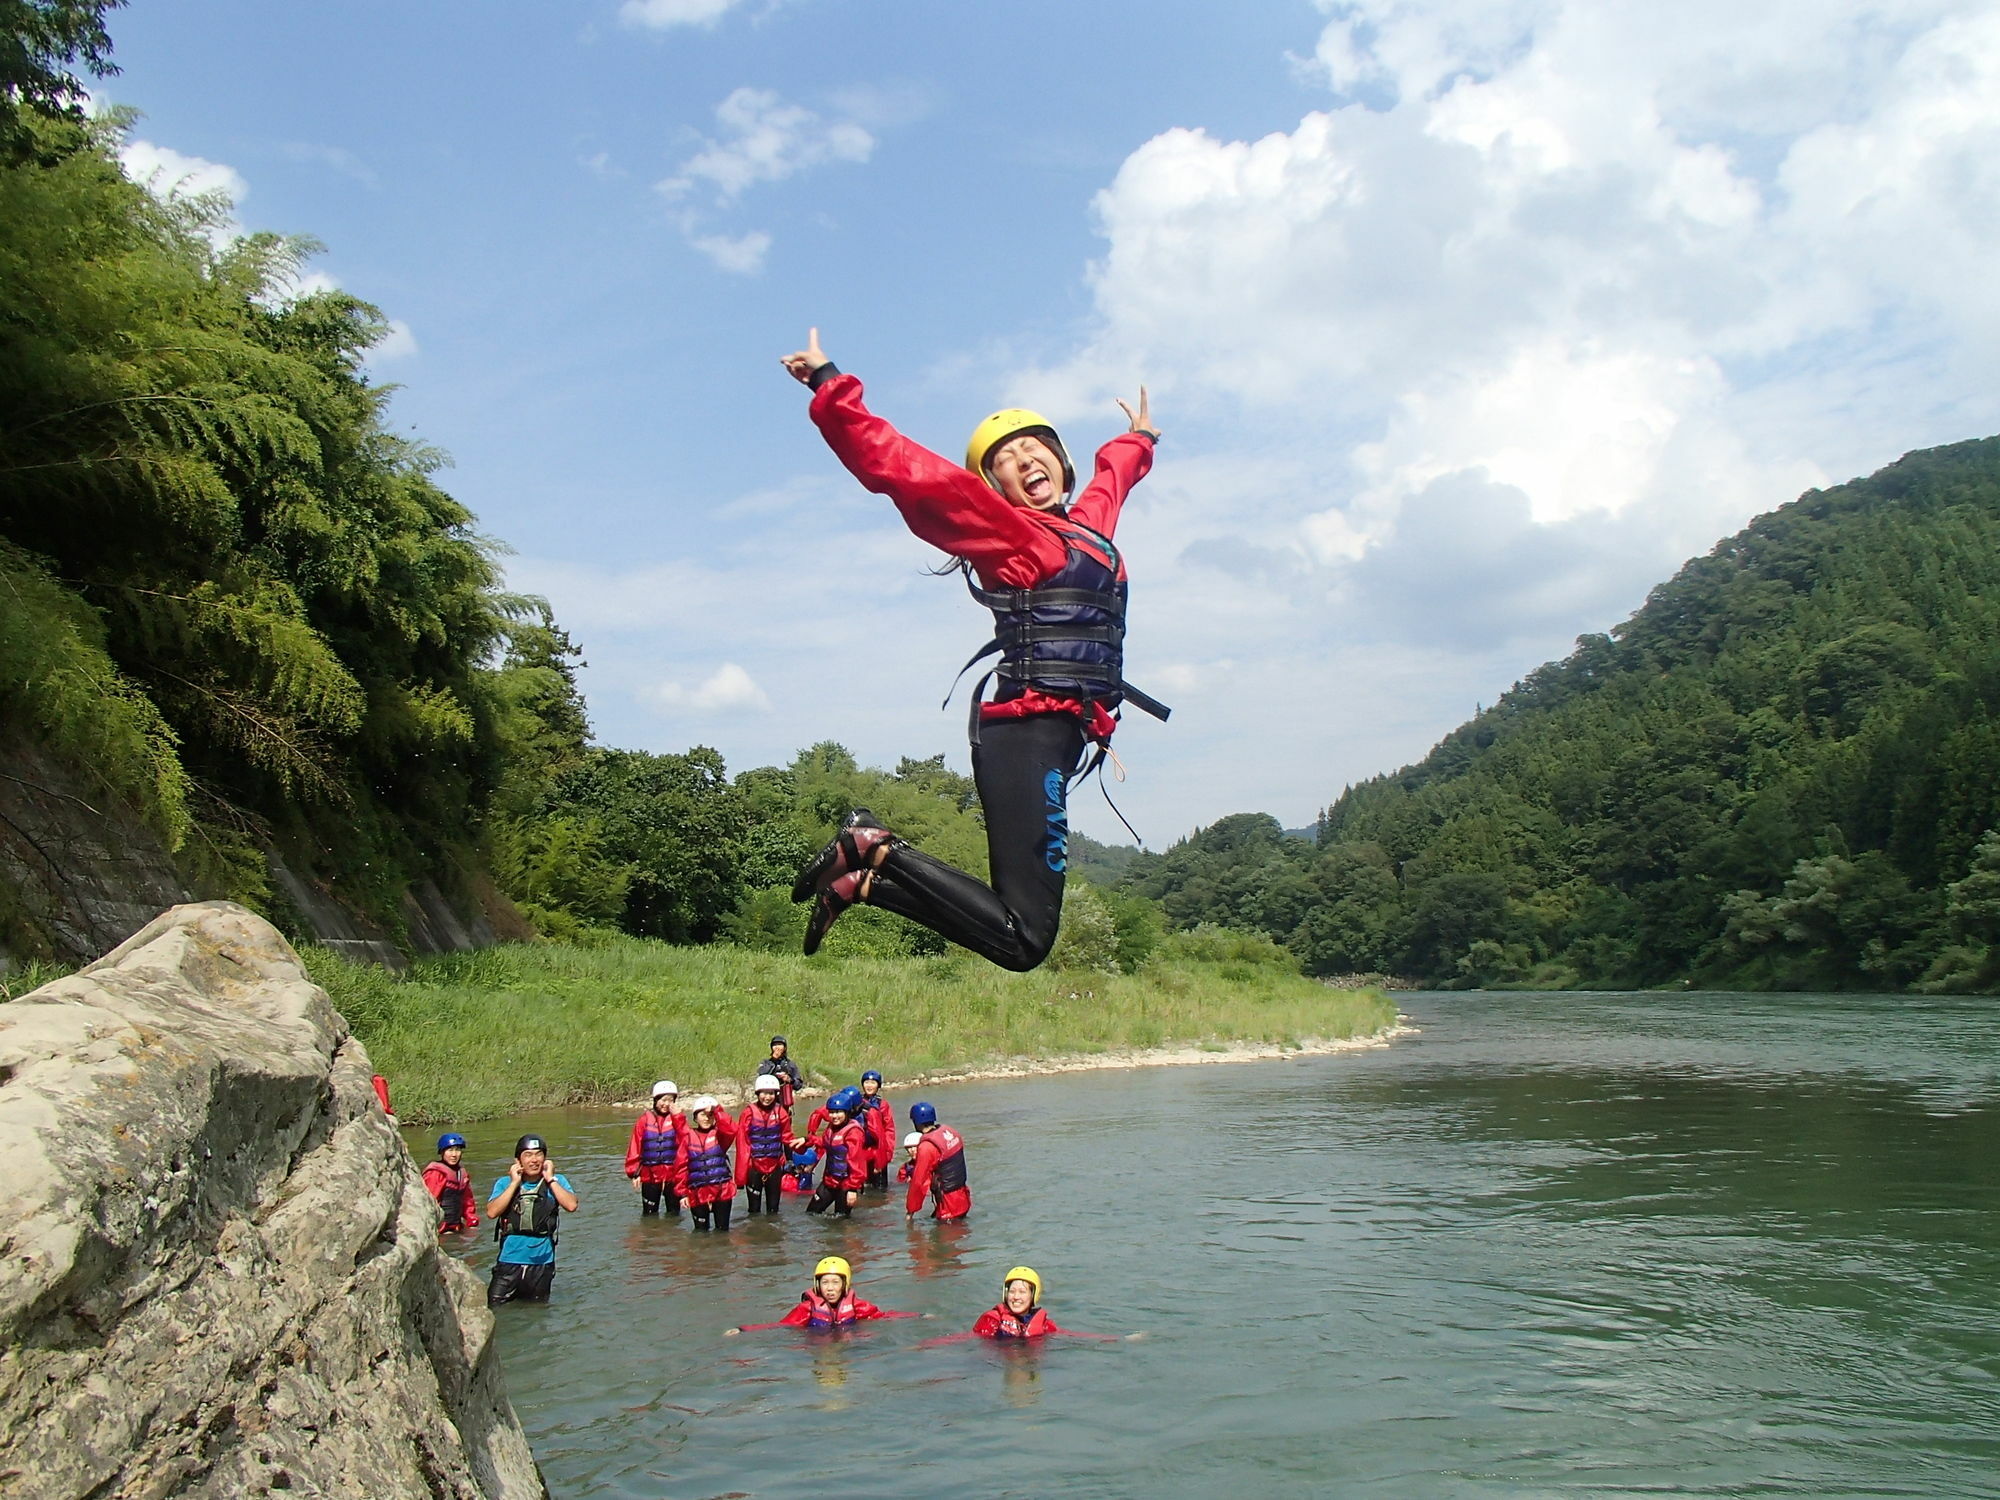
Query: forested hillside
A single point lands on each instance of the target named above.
(232, 597)
(1784, 770)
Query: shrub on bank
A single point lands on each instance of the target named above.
(520, 1027)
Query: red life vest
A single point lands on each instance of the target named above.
(821, 1313)
(949, 1174)
(453, 1192)
(1031, 1327)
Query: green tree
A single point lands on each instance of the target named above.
(41, 43)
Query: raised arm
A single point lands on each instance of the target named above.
(942, 502)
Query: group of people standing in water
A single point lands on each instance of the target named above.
(700, 1157)
(681, 1155)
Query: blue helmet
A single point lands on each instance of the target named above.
(449, 1139)
(922, 1114)
(871, 1073)
(847, 1100)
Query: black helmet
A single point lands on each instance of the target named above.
(530, 1143)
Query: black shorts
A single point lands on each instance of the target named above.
(518, 1283)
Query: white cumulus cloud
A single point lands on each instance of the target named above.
(400, 342)
(1548, 296)
(662, 15)
(740, 254)
(729, 689)
(171, 176)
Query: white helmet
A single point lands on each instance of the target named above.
(766, 1081)
(701, 1102)
(666, 1086)
(913, 1138)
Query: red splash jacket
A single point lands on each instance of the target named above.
(655, 1146)
(702, 1172)
(999, 1323)
(452, 1187)
(814, 1311)
(878, 1119)
(845, 1152)
(764, 1139)
(940, 1168)
(947, 505)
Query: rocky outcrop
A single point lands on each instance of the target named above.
(79, 871)
(75, 868)
(221, 1273)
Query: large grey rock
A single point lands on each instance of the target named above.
(219, 1272)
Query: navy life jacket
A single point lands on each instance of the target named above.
(1064, 636)
(707, 1159)
(763, 1134)
(838, 1168)
(657, 1142)
(532, 1214)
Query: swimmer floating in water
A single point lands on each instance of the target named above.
(830, 1303)
(1020, 1315)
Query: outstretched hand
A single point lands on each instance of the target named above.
(805, 361)
(1140, 419)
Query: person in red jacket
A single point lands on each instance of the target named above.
(843, 1146)
(451, 1185)
(939, 1169)
(1045, 564)
(878, 1118)
(909, 1163)
(764, 1131)
(1020, 1314)
(702, 1170)
(655, 1147)
(829, 1304)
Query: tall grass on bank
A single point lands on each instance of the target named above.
(515, 1028)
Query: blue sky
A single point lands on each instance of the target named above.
(1467, 320)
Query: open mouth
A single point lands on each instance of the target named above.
(1036, 486)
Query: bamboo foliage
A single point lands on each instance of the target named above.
(219, 569)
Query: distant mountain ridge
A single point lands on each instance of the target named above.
(1783, 770)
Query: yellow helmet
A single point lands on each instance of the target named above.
(1027, 1274)
(833, 1265)
(1012, 422)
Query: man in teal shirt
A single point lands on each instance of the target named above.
(524, 1208)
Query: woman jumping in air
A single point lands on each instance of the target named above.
(1044, 563)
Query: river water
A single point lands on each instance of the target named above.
(1551, 1245)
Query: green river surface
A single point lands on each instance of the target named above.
(1554, 1244)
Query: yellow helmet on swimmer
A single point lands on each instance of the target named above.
(1027, 1274)
(833, 1265)
(1012, 422)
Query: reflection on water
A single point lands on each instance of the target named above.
(1670, 1245)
